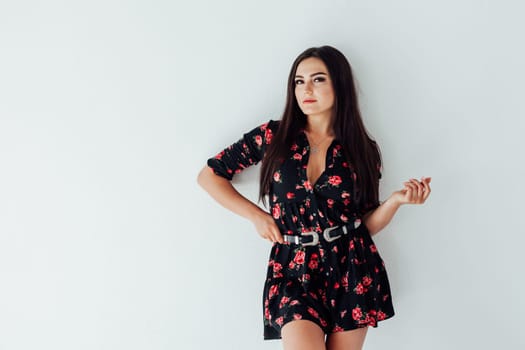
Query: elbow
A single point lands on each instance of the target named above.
(202, 175)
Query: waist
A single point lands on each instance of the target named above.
(329, 234)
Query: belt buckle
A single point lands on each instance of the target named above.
(315, 239)
(327, 237)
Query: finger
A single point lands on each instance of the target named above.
(413, 192)
(408, 193)
(413, 198)
(278, 236)
(419, 188)
(271, 233)
(427, 190)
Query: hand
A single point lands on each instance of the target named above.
(267, 228)
(414, 192)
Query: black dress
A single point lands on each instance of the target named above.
(339, 285)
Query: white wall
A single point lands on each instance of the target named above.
(109, 109)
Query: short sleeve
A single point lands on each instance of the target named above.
(247, 151)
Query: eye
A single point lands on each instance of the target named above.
(320, 79)
(298, 81)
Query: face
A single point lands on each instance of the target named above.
(312, 82)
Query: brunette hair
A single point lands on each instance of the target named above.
(361, 151)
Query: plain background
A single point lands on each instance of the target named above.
(109, 109)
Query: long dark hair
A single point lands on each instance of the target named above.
(360, 150)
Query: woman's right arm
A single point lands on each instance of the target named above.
(225, 194)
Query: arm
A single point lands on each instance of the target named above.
(414, 192)
(215, 178)
(375, 220)
(226, 195)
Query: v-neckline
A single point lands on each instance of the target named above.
(326, 159)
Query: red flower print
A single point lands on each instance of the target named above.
(267, 313)
(273, 291)
(291, 265)
(313, 264)
(336, 285)
(297, 156)
(337, 329)
(346, 202)
(299, 257)
(279, 321)
(371, 321)
(294, 302)
(294, 218)
(297, 316)
(330, 202)
(284, 301)
(277, 270)
(334, 180)
(307, 185)
(367, 281)
(352, 245)
(294, 147)
(276, 211)
(381, 315)
(323, 322)
(356, 313)
(373, 248)
(301, 210)
(268, 135)
(344, 281)
(220, 154)
(343, 217)
(345, 165)
(359, 288)
(277, 176)
(313, 312)
(258, 140)
(290, 195)
(345, 194)
(343, 313)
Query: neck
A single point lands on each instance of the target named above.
(319, 125)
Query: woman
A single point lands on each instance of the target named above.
(326, 282)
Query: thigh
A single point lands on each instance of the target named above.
(302, 335)
(347, 340)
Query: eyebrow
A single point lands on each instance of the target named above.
(300, 76)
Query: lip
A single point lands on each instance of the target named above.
(309, 101)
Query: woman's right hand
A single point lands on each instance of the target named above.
(267, 228)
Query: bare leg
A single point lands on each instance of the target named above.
(348, 340)
(302, 335)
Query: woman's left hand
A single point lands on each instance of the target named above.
(415, 192)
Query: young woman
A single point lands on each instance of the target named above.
(326, 282)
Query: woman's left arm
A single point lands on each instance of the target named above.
(414, 192)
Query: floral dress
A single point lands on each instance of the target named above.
(339, 285)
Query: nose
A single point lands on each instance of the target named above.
(307, 88)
